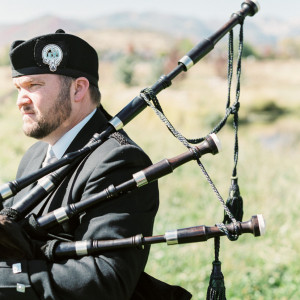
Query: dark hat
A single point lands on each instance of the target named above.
(57, 53)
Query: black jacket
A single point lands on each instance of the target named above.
(111, 275)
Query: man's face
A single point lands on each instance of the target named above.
(44, 103)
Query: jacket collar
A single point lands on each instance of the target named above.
(95, 125)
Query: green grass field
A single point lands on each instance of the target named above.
(264, 267)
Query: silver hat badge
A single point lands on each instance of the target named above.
(52, 55)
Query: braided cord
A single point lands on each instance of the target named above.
(183, 140)
(148, 96)
(233, 110)
(221, 226)
(163, 118)
(237, 103)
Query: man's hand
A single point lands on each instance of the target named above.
(14, 242)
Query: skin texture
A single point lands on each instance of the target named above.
(48, 108)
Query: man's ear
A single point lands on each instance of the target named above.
(81, 87)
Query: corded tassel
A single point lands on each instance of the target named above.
(234, 202)
(216, 289)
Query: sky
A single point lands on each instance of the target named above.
(13, 11)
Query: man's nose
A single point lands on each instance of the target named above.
(23, 99)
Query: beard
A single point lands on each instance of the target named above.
(56, 115)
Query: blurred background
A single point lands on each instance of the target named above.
(137, 42)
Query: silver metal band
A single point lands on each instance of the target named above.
(171, 237)
(5, 191)
(140, 178)
(60, 215)
(81, 248)
(46, 184)
(187, 61)
(117, 123)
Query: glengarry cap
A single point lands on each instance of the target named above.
(57, 53)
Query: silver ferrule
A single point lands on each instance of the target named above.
(5, 191)
(46, 183)
(171, 237)
(116, 123)
(81, 248)
(140, 178)
(60, 215)
(187, 61)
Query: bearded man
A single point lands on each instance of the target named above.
(56, 76)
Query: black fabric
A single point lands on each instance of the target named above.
(9, 281)
(14, 242)
(150, 288)
(114, 274)
(78, 58)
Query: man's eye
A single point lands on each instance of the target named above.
(33, 85)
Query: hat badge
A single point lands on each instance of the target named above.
(52, 55)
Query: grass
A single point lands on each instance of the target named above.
(265, 267)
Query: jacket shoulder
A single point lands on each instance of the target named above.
(34, 155)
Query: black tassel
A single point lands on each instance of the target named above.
(234, 202)
(216, 289)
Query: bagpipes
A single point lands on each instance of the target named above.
(130, 111)
(49, 177)
(255, 226)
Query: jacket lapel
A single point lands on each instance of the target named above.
(32, 166)
(96, 124)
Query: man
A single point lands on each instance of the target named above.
(56, 76)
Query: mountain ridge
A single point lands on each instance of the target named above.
(261, 32)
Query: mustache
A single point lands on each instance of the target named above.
(27, 109)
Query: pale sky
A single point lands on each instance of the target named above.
(13, 11)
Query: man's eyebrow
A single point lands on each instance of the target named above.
(27, 81)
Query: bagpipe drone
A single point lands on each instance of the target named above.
(49, 177)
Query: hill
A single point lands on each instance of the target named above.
(258, 31)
